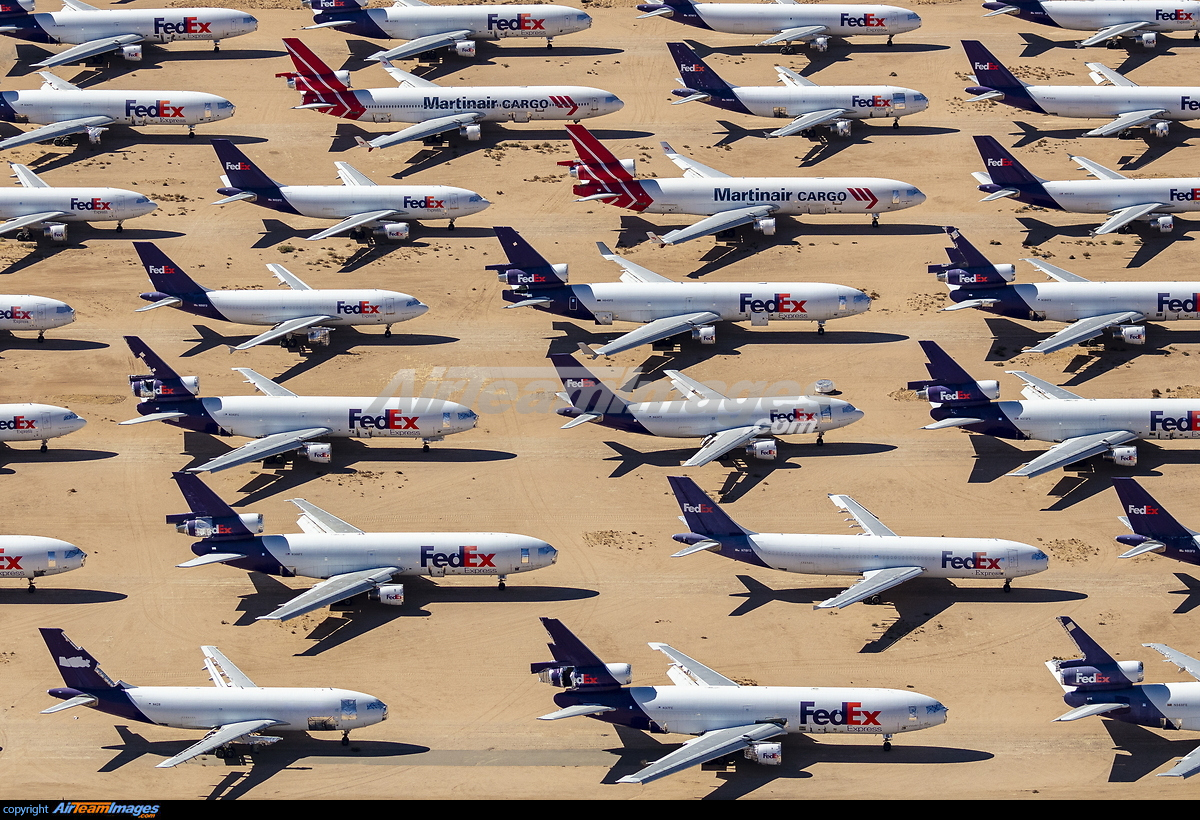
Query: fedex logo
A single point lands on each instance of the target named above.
(986, 66)
(794, 415)
(1003, 162)
(465, 557)
(16, 313)
(522, 22)
(972, 279)
(18, 423)
(93, 204)
(357, 308)
(571, 383)
(159, 108)
(1188, 104)
(1176, 14)
(781, 303)
(388, 420)
(189, 25)
(522, 278)
(1145, 509)
(1190, 195)
(977, 560)
(870, 102)
(866, 21)
(424, 202)
(14, 561)
(691, 69)
(1165, 303)
(1095, 677)
(946, 395)
(238, 166)
(848, 715)
(697, 508)
(165, 270)
(1188, 422)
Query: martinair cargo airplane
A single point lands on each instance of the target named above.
(1124, 102)
(234, 712)
(456, 28)
(435, 109)
(70, 109)
(724, 423)
(36, 422)
(1154, 529)
(94, 31)
(726, 202)
(36, 202)
(1125, 200)
(296, 313)
(1140, 20)
(1099, 684)
(360, 204)
(813, 106)
(725, 716)
(668, 308)
(33, 556)
(281, 421)
(1091, 308)
(350, 562)
(883, 558)
(34, 313)
(1081, 427)
(789, 21)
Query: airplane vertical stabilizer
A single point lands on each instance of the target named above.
(78, 668)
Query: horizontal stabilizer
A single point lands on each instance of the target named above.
(1143, 548)
(153, 417)
(700, 546)
(971, 303)
(951, 422)
(1089, 710)
(78, 700)
(211, 558)
(584, 419)
(579, 710)
(168, 302)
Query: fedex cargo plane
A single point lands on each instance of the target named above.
(1112, 20)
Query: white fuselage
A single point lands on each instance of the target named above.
(346, 417)
(32, 556)
(1100, 196)
(1072, 301)
(1061, 419)
(1178, 702)
(484, 22)
(297, 709)
(785, 195)
(154, 25)
(1089, 15)
(346, 307)
(731, 301)
(861, 101)
(1111, 101)
(34, 313)
(45, 106)
(75, 204)
(794, 415)
(416, 202)
(840, 20)
(495, 103)
(36, 422)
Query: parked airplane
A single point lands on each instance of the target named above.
(362, 206)
(725, 716)
(94, 31)
(349, 561)
(34, 313)
(300, 313)
(726, 202)
(668, 308)
(789, 22)
(724, 423)
(233, 713)
(436, 109)
(1154, 529)
(281, 421)
(1139, 20)
(455, 28)
(1092, 308)
(36, 202)
(1125, 200)
(882, 563)
(32, 556)
(1127, 104)
(813, 106)
(36, 422)
(1081, 427)
(1099, 684)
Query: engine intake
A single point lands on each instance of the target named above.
(207, 526)
(572, 677)
(148, 387)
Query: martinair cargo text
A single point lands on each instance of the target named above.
(455, 28)
(1081, 427)
(726, 717)
(94, 31)
(68, 109)
(811, 105)
(1139, 20)
(281, 421)
(789, 21)
(883, 558)
(379, 211)
(726, 202)
(37, 203)
(350, 562)
(300, 312)
(1125, 103)
(1091, 308)
(34, 313)
(35, 556)
(234, 712)
(668, 308)
(1124, 200)
(436, 109)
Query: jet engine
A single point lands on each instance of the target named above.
(765, 225)
(318, 336)
(464, 48)
(1132, 334)
(1090, 675)
(93, 134)
(767, 754)
(706, 335)
(1164, 224)
(318, 451)
(205, 526)
(820, 44)
(1160, 129)
(132, 53)
(974, 277)
(55, 231)
(840, 128)
(148, 387)
(1122, 456)
(593, 173)
(764, 448)
(571, 677)
(1148, 39)
(988, 388)
(472, 132)
(392, 232)
(390, 594)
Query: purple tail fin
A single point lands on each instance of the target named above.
(1096, 669)
(204, 503)
(165, 275)
(574, 665)
(1146, 516)
(696, 74)
(519, 252)
(240, 170)
(585, 392)
(950, 384)
(1000, 165)
(701, 513)
(78, 668)
(158, 367)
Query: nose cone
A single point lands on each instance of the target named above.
(77, 423)
(613, 104)
(143, 208)
(75, 559)
(856, 301)
(419, 309)
(1036, 560)
(915, 198)
(582, 21)
(251, 24)
(546, 555)
(907, 21)
(845, 413)
(934, 712)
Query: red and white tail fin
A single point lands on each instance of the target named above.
(593, 153)
(311, 70)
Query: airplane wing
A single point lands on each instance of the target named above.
(211, 558)
(1072, 450)
(715, 224)
(1101, 72)
(1186, 663)
(870, 524)
(263, 384)
(314, 516)
(1112, 31)
(56, 82)
(352, 176)
(90, 49)
(78, 700)
(874, 582)
(1088, 710)
(1123, 217)
(421, 44)
(970, 303)
(708, 746)
(421, 130)
(283, 329)
(724, 441)
(1186, 767)
(789, 77)
(153, 417)
(1055, 272)
(1096, 169)
(352, 222)
(260, 449)
(1042, 389)
(810, 120)
(337, 588)
(1124, 121)
(27, 221)
(28, 178)
(694, 672)
(405, 79)
(690, 388)
(223, 672)
(658, 329)
(219, 737)
(691, 168)
(287, 277)
(57, 129)
(579, 710)
(1083, 330)
(630, 272)
(790, 34)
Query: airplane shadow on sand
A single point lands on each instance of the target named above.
(58, 597)
(915, 602)
(344, 341)
(1191, 591)
(51, 344)
(10, 455)
(750, 471)
(110, 67)
(1152, 242)
(1135, 54)
(1155, 147)
(1144, 751)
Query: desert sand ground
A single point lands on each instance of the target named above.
(453, 663)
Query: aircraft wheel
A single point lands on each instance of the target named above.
(874, 600)
(425, 448)
(887, 745)
(44, 447)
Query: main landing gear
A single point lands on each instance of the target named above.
(387, 331)
(1008, 584)
(887, 743)
(821, 328)
(874, 220)
(500, 585)
(32, 589)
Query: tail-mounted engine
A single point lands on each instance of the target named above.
(1086, 675)
(574, 677)
(990, 276)
(301, 82)
(600, 172)
(148, 387)
(522, 279)
(204, 526)
(969, 393)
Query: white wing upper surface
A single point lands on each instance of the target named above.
(631, 272)
(90, 49)
(323, 521)
(1072, 450)
(704, 748)
(337, 588)
(258, 449)
(1113, 31)
(1130, 120)
(1185, 662)
(351, 222)
(1041, 389)
(697, 673)
(1083, 330)
(715, 224)
(1123, 217)
(810, 120)
(219, 737)
(57, 129)
(223, 671)
(282, 329)
(263, 384)
(690, 388)
(870, 524)
(691, 168)
(873, 583)
(724, 441)
(658, 329)
(422, 44)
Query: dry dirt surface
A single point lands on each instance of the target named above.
(452, 664)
